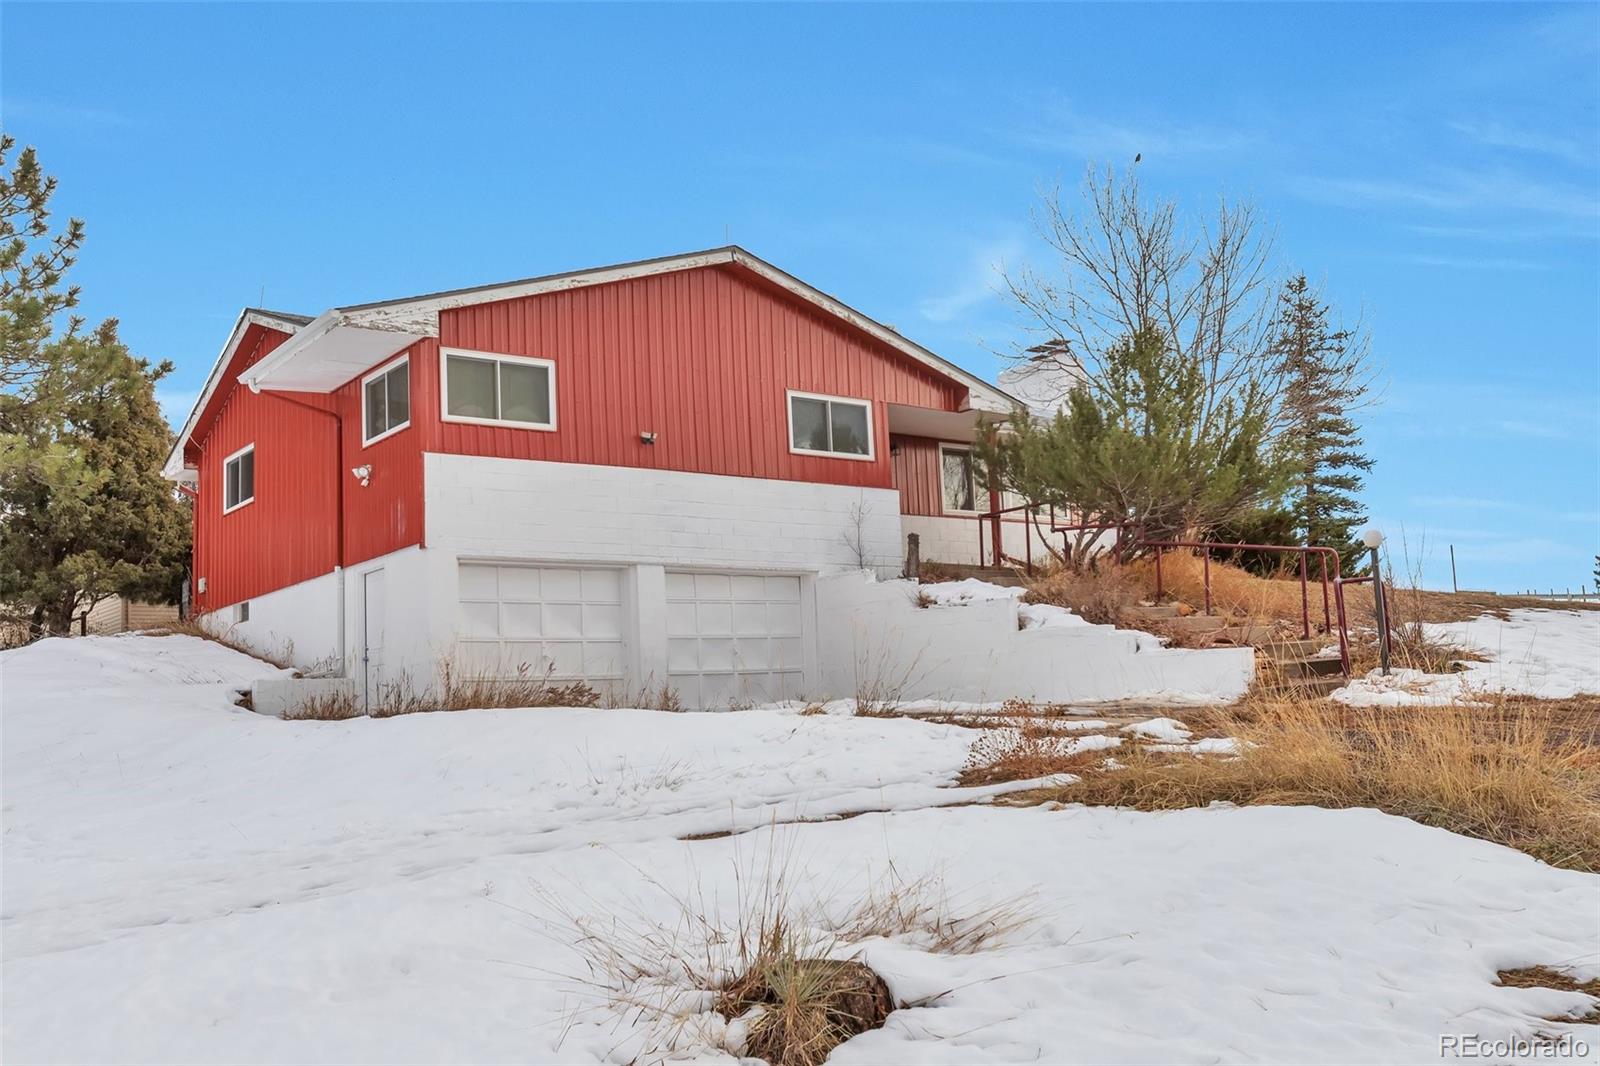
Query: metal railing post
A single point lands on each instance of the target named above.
(1208, 578)
(1159, 587)
(1305, 601)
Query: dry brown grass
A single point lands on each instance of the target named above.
(1103, 596)
(1561, 981)
(282, 657)
(459, 690)
(1033, 750)
(1524, 778)
(770, 960)
(327, 707)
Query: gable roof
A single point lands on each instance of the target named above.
(368, 332)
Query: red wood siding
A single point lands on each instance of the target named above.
(386, 514)
(916, 475)
(702, 358)
(287, 534)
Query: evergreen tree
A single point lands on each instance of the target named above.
(1149, 445)
(1326, 378)
(84, 511)
(87, 512)
(33, 264)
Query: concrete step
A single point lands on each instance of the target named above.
(1288, 650)
(1003, 576)
(1314, 667)
(1246, 635)
(1315, 686)
(1158, 612)
(1199, 623)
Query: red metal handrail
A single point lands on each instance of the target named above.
(993, 518)
(1303, 551)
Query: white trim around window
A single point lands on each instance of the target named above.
(498, 359)
(250, 450)
(972, 476)
(383, 372)
(866, 405)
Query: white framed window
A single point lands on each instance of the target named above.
(484, 388)
(239, 479)
(958, 485)
(839, 427)
(386, 401)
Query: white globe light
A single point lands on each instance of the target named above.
(1371, 537)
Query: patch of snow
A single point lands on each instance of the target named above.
(189, 882)
(1535, 652)
(1168, 729)
(1046, 615)
(968, 590)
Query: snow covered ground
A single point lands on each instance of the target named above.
(185, 881)
(1546, 653)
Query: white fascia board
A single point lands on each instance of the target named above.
(421, 315)
(173, 469)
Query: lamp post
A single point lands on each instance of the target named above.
(1372, 538)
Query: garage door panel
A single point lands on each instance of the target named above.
(783, 588)
(714, 619)
(750, 619)
(601, 586)
(562, 620)
(788, 653)
(602, 660)
(602, 621)
(680, 585)
(519, 583)
(749, 587)
(560, 584)
(480, 620)
(680, 618)
(712, 586)
(521, 620)
(783, 619)
(683, 655)
(478, 583)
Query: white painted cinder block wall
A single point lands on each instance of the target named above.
(877, 636)
(945, 539)
(480, 506)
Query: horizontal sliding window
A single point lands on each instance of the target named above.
(239, 478)
(830, 425)
(386, 401)
(510, 390)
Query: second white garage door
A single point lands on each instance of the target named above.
(734, 639)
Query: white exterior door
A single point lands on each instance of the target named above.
(566, 622)
(734, 638)
(373, 608)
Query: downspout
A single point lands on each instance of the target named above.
(338, 483)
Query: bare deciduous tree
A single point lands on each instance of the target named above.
(1126, 263)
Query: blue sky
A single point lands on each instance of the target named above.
(1436, 167)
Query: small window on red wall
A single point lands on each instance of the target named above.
(239, 479)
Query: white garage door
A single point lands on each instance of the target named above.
(734, 638)
(566, 620)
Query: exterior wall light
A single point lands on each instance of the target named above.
(363, 474)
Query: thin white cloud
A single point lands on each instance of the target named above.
(1500, 135)
(981, 282)
(1460, 190)
(1461, 262)
(1066, 128)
